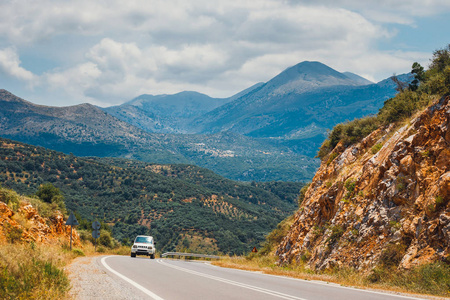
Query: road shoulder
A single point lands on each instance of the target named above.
(89, 280)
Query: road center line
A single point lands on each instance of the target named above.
(247, 286)
(135, 284)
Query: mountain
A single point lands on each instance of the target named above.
(357, 78)
(86, 130)
(381, 204)
(270, 131)
(169, 113)
(165, 113)
(297, 107)
(180, 205)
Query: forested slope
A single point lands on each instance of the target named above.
(184, 208)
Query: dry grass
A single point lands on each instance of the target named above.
(430, 279)
(267, 265)
(29, 271)
(37, 271)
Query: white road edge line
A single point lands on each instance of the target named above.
(336, 285)
(250, 287)
(136, 285)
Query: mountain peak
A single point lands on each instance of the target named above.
(305, 76)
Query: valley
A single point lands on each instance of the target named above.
(181, 205)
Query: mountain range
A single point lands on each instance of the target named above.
(270, 131)
(294, 109)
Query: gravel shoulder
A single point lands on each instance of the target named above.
(89, 280)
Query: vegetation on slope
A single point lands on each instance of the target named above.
(33, 257)
(412, 97)
(28, 270)
(182, 206)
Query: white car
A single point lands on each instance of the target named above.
(143, 245)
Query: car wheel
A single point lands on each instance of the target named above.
(152, 256)
(133, 254)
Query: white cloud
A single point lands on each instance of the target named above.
(390, 11)
(108, 52)
(10, 65)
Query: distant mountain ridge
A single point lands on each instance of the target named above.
(263, 133)
(298, 106)
(165, 113)
(85, 130)
(169, 113)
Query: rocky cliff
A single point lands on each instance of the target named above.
(26, 225)
(390, 192)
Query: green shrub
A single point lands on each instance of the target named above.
(301, 197)
(431, 278)
(402, 106)
(78, 252)
(332, 157)
(439, 201)
(425, 153)
(392, 255)
(105, 239)
(30, 275)
(350, 185)
(305, 257)
(375, 148)
(10, 197)
(348, 133)
(401, 183)
(275, 237)
(13, 234)
(336, 232)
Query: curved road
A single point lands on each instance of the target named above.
(173, 279)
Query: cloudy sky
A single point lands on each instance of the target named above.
(108, 52)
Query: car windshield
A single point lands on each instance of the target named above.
(144, 239)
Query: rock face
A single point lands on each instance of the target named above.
(360, 204)
(31, 227)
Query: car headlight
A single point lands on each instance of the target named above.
(134, 246)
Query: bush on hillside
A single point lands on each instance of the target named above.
(348, 133)
(50, 194)
(434, 81)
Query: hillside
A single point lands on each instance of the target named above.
(85, 130)
(34, 248)
(380, 202)
(361, 204)
(187, 203)
(23, 222)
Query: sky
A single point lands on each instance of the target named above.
(62, 53)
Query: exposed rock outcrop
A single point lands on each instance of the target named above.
(361, 203)
(27, 225)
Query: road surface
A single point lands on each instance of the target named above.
(175, 279)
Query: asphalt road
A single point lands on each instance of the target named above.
(173, 279)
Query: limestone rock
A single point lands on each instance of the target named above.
(360, 203)
(34, 227)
